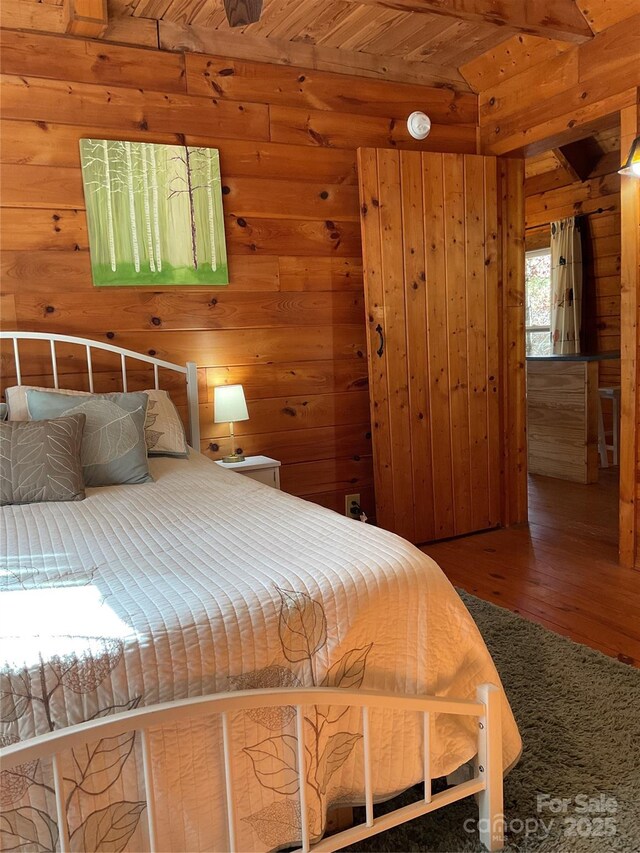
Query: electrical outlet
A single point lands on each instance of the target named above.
(351, 502)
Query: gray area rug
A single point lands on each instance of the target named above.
(579, 716)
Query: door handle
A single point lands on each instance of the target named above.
(380, 349)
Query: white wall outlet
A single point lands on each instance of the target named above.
(351, 504)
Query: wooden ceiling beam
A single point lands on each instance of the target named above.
(240, 13)
(240, 45)
(88, 18)
(579, 158)
(555, 19)
(563, 99)
(513, 56)
(566, 162)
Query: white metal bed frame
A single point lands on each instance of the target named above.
(486, 783)
(190, 369)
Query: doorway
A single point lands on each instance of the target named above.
(573, 391)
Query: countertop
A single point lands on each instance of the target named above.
(594, 356)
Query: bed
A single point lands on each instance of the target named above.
(203, 586)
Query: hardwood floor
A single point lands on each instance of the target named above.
(561, 570)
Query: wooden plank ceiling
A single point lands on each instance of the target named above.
(439, 35)
(462, 44)
(438, 43)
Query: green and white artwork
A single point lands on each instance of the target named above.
(154, 213)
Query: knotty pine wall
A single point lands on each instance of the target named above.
(291, 324)
(601, 253)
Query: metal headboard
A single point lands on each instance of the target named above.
(189, 370)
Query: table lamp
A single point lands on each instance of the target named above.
(230, 406)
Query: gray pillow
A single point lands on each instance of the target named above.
(4, 409)
(114, 451)
(40, 461)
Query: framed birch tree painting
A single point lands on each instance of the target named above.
(154, 213)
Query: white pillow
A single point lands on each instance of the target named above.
(163, 428)
(16, 399)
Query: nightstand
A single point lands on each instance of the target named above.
(260, 468)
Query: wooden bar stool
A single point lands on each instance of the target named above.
(613, 394)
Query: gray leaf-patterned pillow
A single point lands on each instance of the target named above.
(113, 447)
(40, 460)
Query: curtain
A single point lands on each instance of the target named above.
(566, 286)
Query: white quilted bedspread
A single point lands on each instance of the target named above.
(206, 581)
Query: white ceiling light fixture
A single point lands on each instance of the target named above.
(419, 125)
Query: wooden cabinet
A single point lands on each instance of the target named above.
(562, 416)
(444, 268)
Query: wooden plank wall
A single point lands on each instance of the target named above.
(601, 254)
(291, 325)
(630, 338)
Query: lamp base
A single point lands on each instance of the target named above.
(233, 457)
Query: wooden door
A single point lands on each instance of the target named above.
(443, 245)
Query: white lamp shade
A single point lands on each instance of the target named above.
(229, 404)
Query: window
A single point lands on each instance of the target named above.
(538, 302)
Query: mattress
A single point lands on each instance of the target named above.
(206, 581)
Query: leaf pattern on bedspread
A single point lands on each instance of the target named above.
(261, 679)
(107, 829)
(275, 764)
(302, 629)
(279, 824)
(97, 768)
(14, 783)
(14, 578)
(99, 765)
(94, 769)
(83, 674)
(28, 828)
(13, 700)
(302, 625)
